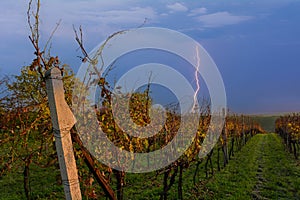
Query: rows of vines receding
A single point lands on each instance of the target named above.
(27, 141)
(288, 127)
(26, 134)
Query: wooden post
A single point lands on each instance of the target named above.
(63, 120)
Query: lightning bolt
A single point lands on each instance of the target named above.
(197, 80)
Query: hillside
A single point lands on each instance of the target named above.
(267, 122)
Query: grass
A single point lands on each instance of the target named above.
(281, 173)
(138, 188)
(43, 184)
(261, 170)
(238, 178)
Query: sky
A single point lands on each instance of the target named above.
(254, 43)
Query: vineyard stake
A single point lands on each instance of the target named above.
(62, 120)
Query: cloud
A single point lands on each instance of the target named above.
(133, 15)
(177, 7)
(118, 17)
(220, 19)
(96, 17)
(197, 11)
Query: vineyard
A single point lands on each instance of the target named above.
(288, 127)
(245, 164)
(244, 161)
(27, 145)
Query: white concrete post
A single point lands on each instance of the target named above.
(63, 120)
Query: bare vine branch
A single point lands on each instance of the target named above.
(52, 34)
(80, 43)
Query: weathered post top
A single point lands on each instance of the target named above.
(62, 117)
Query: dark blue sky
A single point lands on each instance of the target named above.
(255, 44)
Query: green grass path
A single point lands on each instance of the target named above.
(261, 170)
